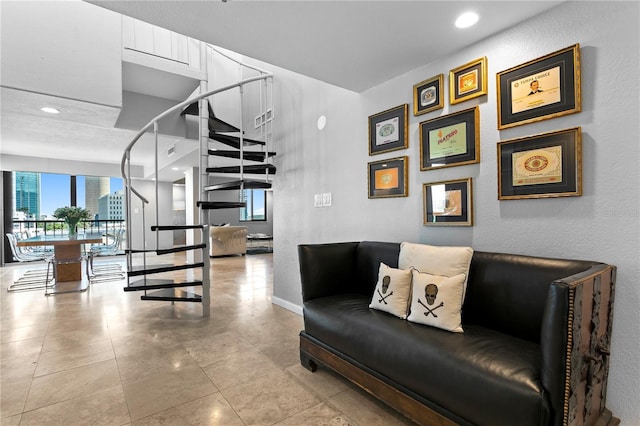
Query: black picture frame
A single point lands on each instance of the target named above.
(450, 140)
(547, 165)
(556, 93)
(427, 95)
(448, 203)
(388, 178)
(468, 81)
(388, 130)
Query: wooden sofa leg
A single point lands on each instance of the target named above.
(307, 362)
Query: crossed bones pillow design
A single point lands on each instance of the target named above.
(437, 300)
(392, 291)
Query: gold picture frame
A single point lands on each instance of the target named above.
(428, 96)
(468, 81)
(448, 203)
(388, 178)
(556, 77)
(388, 130)
(547, 165)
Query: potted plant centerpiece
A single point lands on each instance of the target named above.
(71, 216)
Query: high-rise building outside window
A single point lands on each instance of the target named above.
(256, 209)
(27, 187)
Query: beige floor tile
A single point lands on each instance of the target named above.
(69, 384)
(216, 347)
(322, 382)
(106, 407)
(76, 356)
(75, 338)
(22, 333)
(239, 367)
(11, 421)
(13, 395)
(211, 410)
(166, 390)
(319, 415)
(141, 365)
(366, 410)
(21, 348)
(269, 399)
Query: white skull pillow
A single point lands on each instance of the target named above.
(392, 291)
(437, 300)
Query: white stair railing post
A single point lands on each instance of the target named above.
(155, 133)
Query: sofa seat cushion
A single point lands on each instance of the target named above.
(486, 377)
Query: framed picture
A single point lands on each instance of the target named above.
(388, 130)
(541, 89)
(388, 178)
(448, 203)
(427, 95)
(450, 140)
(468, 81)
(542, 166)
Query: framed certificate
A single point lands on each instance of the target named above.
(427, 95)
(388, 178)
(468, 81)
(540, 89)
(450, 140)
(541, 166)
(448, 203)
(388, 130)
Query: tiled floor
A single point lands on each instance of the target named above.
(105, 357)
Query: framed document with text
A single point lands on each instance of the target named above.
(427, 95)
(542, 166)
(450, 140)
(468, 81)
(388, 130)
(541, 89)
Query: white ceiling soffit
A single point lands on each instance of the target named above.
(351, 44)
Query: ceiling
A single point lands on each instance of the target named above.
(351, 44)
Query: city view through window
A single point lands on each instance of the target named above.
(37, 195)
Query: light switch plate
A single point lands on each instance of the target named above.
(317, 200)
(326, 199)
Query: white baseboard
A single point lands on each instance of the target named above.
(296, 309)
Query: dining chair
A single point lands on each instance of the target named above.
(106, 271)
(31, 279)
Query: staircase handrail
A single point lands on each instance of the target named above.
(253, 67)
(177, 107)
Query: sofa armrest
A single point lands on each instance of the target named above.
(574, 343)
(327, 269)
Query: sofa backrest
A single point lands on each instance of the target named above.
(368, 259)
(508, 292)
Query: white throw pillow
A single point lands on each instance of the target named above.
(437, 301)
(436, 260)
(392, 291)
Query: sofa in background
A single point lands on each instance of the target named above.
(534, 349)
(227, 240)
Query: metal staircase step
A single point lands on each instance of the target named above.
(233, 141)
(175, 227)
(215, 124)
(172, 295)
(217, 205)
(254, 169)
(247, 155)
(178, 249)
(237, 184)
(156, 269)
(155, 284)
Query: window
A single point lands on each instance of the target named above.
(256, 209)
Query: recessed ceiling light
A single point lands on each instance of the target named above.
(175, 168)
(50, 110)
(467, 19)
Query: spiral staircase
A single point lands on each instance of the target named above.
(218, 139)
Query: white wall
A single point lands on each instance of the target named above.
(62, 48)
(603, 224)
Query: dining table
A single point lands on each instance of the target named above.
(67, 251)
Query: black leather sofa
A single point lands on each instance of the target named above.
(535, 347)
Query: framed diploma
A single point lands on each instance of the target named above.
(468, 81)
(388, 130)
(450, 140)
(541, 166)
(388, 178)
(448, 203)
(541, 89)
(427, 95)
